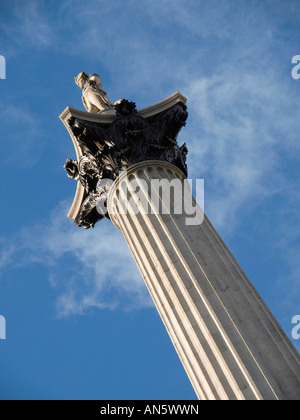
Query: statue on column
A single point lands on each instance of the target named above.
(94, 98)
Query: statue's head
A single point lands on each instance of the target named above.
(81, 79)
(95, 78)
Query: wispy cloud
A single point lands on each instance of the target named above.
(239, 127)
(24, 144)
(88, 269)
(7, 252)
(27, 21)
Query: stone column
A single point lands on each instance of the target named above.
(230, 344)
(227, 339)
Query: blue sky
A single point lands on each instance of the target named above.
(79, 321)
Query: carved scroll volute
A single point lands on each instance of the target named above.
(107, 148)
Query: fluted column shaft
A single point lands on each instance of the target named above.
(230, 344)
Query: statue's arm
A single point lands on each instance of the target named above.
(86, 104)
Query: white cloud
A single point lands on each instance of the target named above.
(88, 268)
(29, 23)
(7, 252)
(23, 144)
(238, 128)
